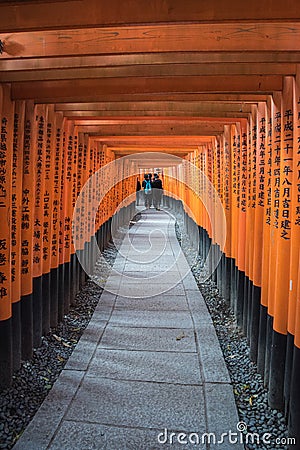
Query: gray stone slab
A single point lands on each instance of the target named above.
(156, 303)
(141, 274)
(41, 429)
(198, 308)
(165, 319)
(143, 289)
(139, 404)
(156, 339)
(222, 414)
(113, 284)
(119, 263)
(163, 277)
(149, 266)
(189, 282)
(84, 350)
(75, 435)
(214, 367)
(145, 268)
(107, 300)
(177, 290)
(162, 367)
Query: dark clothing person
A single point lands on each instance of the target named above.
(138, 192)
(157, 191)
(147, 186)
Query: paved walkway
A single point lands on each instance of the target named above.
(149, 363)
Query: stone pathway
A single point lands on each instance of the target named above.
(148, 372)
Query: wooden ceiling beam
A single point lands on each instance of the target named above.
(196, 98)
(152, 141)
(140, 149)
(249, 36)
(89, 89)
(92, 115)
(140, 59)
(161, 120)
(151, 71)
(86, 109)
(20, 15)
(150, 129)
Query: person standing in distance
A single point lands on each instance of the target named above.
(138, 192)
(147, 186)
(157, 191)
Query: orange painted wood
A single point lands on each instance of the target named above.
(227, 188)
(6, 142)
(16, 204)
(235, 188)
(88, 90)
(249, 36)
(282, 276)
(57, 191)
(28, 198)
(67, 189)
(251, 200)
(260, 185)
(277, 127)
(67, 14)
(268, 231)
(295, 214)
(39, 188)
(50, 184)
(241, 198)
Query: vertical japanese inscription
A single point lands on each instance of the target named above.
(286, 175)
(26, 203)
(14, 204)
(297, 177)
(38, 205)
(56, 199)
(47, 198)
(243, 202)
(276, 168)
(262, 163)
(4, 208)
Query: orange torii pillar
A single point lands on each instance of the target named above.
(47, 201)
(293, 364)
(266, 233)
(259, 167)
(16, 219)
(254, 234)
(6, 138)
(41, 299)
(227, 188)
(72, 202)
(28, 194)
(56, 162)
(270, 239)
(243, 238)
(282, 278)
(237, 278)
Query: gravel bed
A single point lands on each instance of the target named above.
(250, 394)
(33, 381)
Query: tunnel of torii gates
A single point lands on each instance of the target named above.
(213, 88)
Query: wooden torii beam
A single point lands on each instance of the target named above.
(22, 16)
